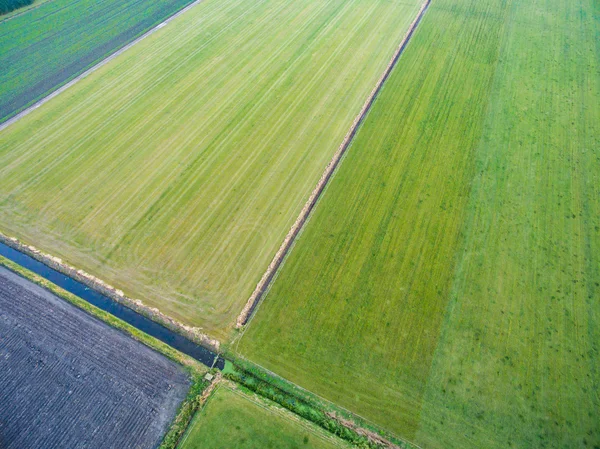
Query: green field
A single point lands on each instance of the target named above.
(56, 40)
(233, 419)
(175, 171)
(447, 285)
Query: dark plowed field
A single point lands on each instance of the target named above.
(68, 380)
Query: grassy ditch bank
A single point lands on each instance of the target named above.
(328, 416)
(187, 411)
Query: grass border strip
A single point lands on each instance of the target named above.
(198, 395)
(334, 419)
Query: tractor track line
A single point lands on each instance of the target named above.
(95, 67)
(290, 238)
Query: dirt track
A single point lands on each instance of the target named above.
(69, 380)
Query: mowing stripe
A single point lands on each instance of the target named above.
(95, 67)
(266, 279)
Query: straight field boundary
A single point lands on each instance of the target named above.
(95, 67)
(269, 275)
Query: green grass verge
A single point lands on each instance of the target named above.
(305, 404)
(194, 368)
(175, 171)
(447, 284)
(232, 418)
(45, 47)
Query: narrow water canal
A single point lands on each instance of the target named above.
(158, 331)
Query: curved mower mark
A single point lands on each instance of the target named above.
(265, 281)
(106, 60)
(144, 324)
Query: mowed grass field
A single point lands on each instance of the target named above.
(175, 171)
(233, 419)
(447, 285)
(57, 40)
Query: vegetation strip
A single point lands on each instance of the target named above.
(326, 415)
(266, 279)
(91, 70)
(111, 293)
(235, 417)
(199, 393)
